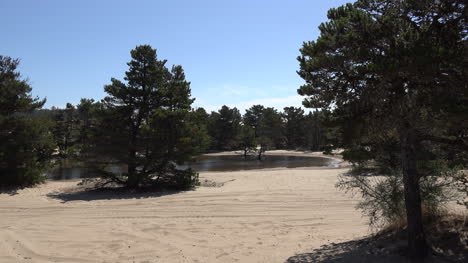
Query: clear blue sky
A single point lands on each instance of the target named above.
(236, 53)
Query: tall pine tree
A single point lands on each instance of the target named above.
(25, 143)
(394, 71)
(146, 125)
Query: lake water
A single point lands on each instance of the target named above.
(214, 163)
(224, 163)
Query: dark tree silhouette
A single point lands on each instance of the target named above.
(145, 124)
(393, 71)
(25, 144)
(224, 127)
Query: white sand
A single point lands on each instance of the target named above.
(257, 216)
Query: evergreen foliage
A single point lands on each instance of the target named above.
(224, 127)
(247, 142)
(145, 123)
(294, 126)
(25, 143)
(394, 75)
(266, 124)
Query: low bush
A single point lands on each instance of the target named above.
(383, 195)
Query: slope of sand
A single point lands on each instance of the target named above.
(255, 216)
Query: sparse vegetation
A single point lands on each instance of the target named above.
(386, 83)
(383, 200)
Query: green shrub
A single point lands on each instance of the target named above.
(383, 195)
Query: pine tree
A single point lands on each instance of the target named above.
(224, 128)
(247, 141)
(394, 71)
(145, 124)
(253, 117)
(294, 126)
(25, 143)
(273, 127)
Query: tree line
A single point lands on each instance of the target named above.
(388, 79)
(146, 122)
(223, 130)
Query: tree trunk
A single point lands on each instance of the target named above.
(132, 179)
(417, 245)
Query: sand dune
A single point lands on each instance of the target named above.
(256, 216)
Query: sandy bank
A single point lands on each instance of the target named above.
(256, 216)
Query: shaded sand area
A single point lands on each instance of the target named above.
(246, 216)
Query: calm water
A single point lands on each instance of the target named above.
(221, 163)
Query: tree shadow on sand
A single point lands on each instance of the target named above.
(351, 251)
(114, 193)
(448, 238)
(10, 191)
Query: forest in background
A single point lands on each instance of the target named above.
(147, 124)
(223, 130)
(389, 78)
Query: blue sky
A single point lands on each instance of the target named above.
(237, 53)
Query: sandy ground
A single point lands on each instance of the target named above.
(255, 216)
